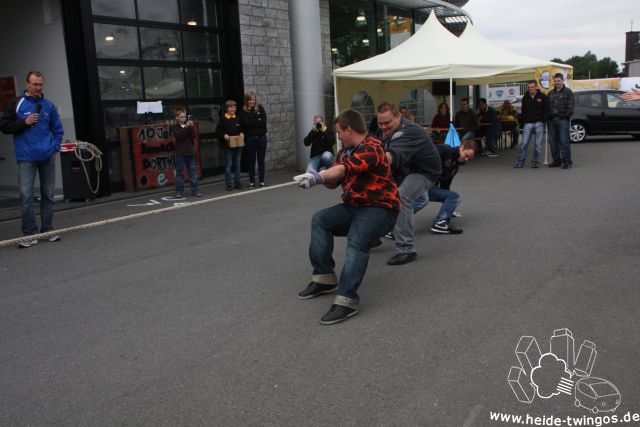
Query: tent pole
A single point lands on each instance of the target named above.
(450, 100)
(336, 111)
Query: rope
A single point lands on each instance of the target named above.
(96, 224)
(94, 154)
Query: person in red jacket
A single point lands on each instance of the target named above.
(369, 210)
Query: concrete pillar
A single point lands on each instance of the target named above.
(306, 60)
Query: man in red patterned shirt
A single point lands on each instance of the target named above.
(369, 211)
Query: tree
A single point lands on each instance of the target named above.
(588, 66)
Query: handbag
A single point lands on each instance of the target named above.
(236, 141)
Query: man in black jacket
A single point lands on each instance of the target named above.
(321, 139)
(561, 103)
(451, 159)
(535, 110)
(416, 167)
(489, 126)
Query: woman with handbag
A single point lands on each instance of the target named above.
(233, 143)
(253, 121)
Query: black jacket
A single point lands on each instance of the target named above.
(561, 103)
(320, 141)
(229, 126)
(413, 152)
(450, 162)
(254, 122)
(185, 137)
(535, 108)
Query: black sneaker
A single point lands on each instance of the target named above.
(566, 166)
(338, 313)
(554, 164)
(27, 243)
(238, 186)
(229, 187)
(315, 289)
(535, 165)
(518, 166)
(443, 227)
(390, 235)
(178, 196)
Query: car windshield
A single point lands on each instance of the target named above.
(603, 389)
(614, 101)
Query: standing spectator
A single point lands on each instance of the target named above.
(508, 117)
(321, 139)
(253, 121)
(489, 126)
(451, 159)
(37, 133)
(535, 109)
(369, 210)
(230, 127)
(404, 112)
(185, 136)
(561, 103)
(466, 120)
(415, 165)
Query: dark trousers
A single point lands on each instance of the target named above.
(256, 147)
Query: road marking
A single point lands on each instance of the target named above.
(175, 206)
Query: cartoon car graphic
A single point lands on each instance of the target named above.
(596, 395)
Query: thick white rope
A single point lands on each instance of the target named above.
(51, 233)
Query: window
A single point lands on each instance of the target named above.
(198, 13)
(116, 41)
(163, 82)
(203, 83)
(593, 100)
(158, 10)
(117, 82)
(116, 8)
(158, 44)
(201, 47)
(614, 101)
(363, 103)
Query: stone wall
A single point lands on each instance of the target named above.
(266, 62)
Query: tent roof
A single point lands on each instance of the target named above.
(433, 53)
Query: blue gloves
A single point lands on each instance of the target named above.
(309, 179)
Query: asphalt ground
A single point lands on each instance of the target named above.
(190, 317)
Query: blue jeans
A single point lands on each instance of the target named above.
(537, 130)
(46, 170)
(256, 147)
(559, 141)
(450, 201)
(321, 160)
(190, 162)
(413, 186)
(232, 165)
(362, 226)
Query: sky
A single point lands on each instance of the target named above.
(547, 29)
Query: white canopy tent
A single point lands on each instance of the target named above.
(433, 53)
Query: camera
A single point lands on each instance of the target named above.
(319, 126)
(189, 117)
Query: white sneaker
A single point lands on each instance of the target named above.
(456, 214)
(54, 238)
(27, 243)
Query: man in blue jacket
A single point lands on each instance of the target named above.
(37, 133)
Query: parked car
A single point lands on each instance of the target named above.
(602, 112)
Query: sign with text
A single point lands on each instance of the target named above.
(154, 156)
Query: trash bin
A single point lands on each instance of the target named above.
(81, 164)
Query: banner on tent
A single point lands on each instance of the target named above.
(544, 77)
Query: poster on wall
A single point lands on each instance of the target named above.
(500, 94)
(154, 156)
(7, 91)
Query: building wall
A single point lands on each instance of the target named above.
(325, 28)
(36, 42)
(266, 62)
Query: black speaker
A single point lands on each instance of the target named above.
(441, 88)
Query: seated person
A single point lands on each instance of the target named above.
(508, 117)
(440, 121)
(321, 139)
(489, 126)
(466, 119)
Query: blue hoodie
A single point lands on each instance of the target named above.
(37, 142)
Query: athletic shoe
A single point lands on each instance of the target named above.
(404, 258)
(262, 184)
(229, 187)
(178, 196)
(554, 164)
(198, 194)
(252, 185)
(492, 155)
(443, 227)
(566, 166)
(518, 166)
(390, 235)
(456, 214)
(315, 289)
(54, 238)
(535, 165)
(338, 313)
(238, 186)
(27, 243)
